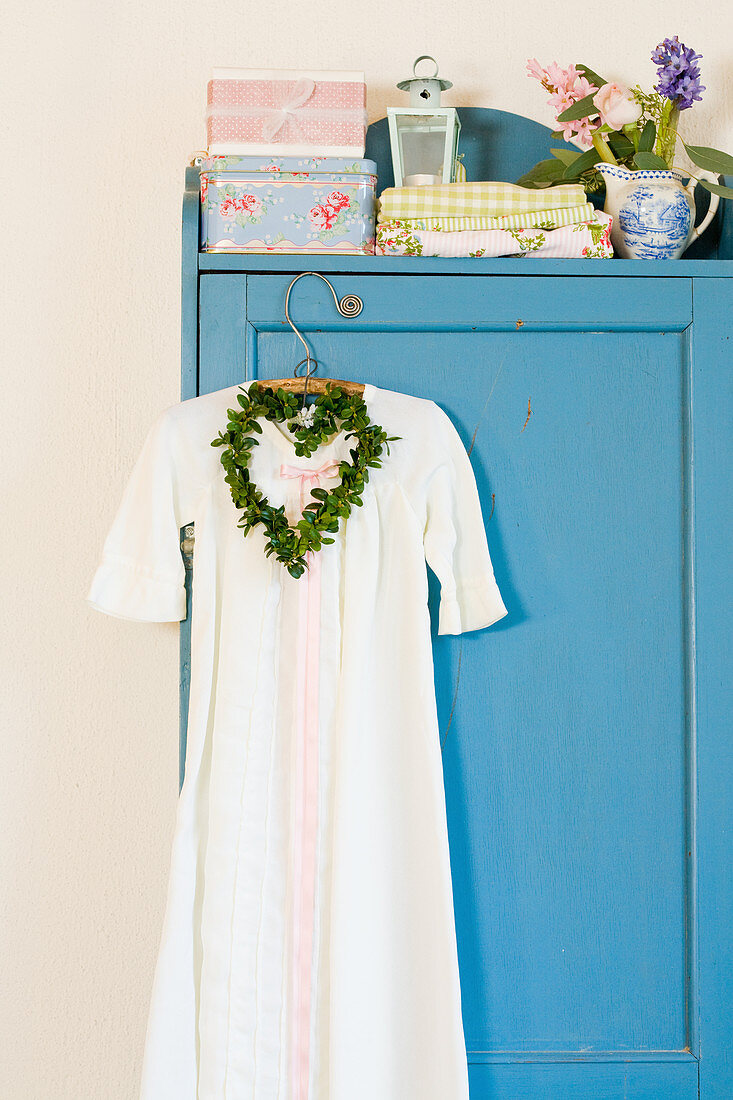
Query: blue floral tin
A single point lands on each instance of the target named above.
(308, 204)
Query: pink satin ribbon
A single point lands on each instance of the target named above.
(313, 477)
(306, 789)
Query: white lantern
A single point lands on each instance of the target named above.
(424, 136)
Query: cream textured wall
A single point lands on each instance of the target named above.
(102, 108)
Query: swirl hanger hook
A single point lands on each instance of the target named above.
(349, 306)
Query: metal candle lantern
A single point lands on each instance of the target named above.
(424, 136)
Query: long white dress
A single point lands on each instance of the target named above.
(308, 950)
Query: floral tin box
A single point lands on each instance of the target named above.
(306, 204)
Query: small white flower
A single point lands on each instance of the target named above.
(306, 416)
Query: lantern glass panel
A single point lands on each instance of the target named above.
(422, 147)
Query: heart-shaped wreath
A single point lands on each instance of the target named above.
(332, 411)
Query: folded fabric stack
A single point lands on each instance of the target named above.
(491, 219)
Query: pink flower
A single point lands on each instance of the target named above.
(616, 106)
(322, 216)
(561, 101)
(584, 135)
(243, 204)
(535, 69)
(338, 200)
(228, 208)
(249, 204)
(583, 87)
(272, 168)
(568, 130)
(556, 76)
(204, 187)
(567, 87)
(572, 74)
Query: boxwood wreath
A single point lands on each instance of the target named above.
(332, 411)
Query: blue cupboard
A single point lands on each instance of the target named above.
(586, 738)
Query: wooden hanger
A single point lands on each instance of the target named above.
(349, 306)
(315, 385)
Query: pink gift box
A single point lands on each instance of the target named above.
(291, 112)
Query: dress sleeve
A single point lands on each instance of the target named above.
(141, 575)
(455, 540)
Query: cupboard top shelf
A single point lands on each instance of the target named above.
(427, 265)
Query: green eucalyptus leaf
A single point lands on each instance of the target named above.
(620, 145)
(717, 189)
(583, 163)
(566, 156)
(542, 174)
(649, 162)
(712, 159)
(648, 137)
(584, 108)
(591, 77)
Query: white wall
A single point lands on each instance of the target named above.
(102, 108)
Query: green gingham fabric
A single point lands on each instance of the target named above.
(544, 219)
(472, 200)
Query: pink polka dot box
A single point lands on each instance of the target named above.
(291, 112)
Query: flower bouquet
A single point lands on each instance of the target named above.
(620, 125)
(625, 136)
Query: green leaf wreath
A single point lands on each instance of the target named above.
(332, 411)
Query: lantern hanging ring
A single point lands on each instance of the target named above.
(404, 85)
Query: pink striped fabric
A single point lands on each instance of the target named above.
(306, 791)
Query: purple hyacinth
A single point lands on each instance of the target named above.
(679, 73)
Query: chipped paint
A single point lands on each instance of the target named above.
(486, 405)
(455, 697)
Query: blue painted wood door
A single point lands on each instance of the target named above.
(568, 727)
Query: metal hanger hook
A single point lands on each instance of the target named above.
(349, 306)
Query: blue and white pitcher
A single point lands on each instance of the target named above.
(653, 212)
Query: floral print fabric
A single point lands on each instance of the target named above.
(591, 238)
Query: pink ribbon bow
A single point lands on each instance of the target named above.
(309, 479)
(276, 118)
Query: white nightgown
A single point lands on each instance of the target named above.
(308, 950)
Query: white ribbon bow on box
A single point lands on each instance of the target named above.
(276, 118)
